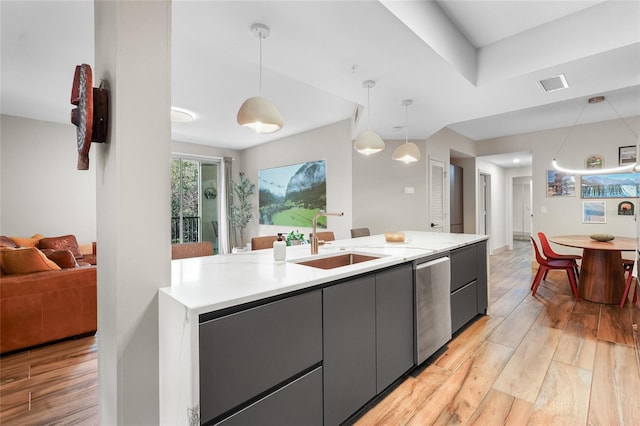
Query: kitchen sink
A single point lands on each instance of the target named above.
(338, 260)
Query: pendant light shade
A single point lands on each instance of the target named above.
(408, 152)
(630, 167)
(369, 142)
(260, 115)
(257, 113)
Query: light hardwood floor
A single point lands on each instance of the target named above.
(543, 361)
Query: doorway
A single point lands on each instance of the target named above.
(195, 201)
(484, 206)
(522, 213)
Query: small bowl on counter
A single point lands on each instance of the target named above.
(394, 237)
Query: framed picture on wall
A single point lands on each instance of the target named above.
(594, 161)
(626, 208)
(626, 155)
(615, 185)
(291, 195)
(594, 212)
(560, 184)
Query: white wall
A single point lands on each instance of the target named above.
(379, 199)
(330, 143)
(498, 216)
(563, 215)
(42, 190)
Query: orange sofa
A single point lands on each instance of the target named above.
(58, 300)
(43, 307)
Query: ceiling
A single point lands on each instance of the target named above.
(472, 66)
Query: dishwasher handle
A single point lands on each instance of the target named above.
(432, 262)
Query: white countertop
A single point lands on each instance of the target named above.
(205, 284)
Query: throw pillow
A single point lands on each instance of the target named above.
(65, 242)
(25, 261)
(26, 242)
(63, 258)
(7, 242)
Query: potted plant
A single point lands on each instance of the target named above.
(241, 209)
(295, 238)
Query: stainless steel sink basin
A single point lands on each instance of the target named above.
(338, 260)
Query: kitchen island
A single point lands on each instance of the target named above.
(241, 335)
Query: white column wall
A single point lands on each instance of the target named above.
(133, 209)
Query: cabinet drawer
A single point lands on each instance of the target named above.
(464, 305)
(463, 266)
(298, 403)
(249, 352)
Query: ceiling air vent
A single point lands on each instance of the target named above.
(554, 83)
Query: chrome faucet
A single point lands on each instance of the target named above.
(314, 235)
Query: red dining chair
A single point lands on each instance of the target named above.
(627, 264)
(550, 264)
(550, 254)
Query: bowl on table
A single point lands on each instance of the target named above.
(602, 237)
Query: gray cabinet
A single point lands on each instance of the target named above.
(468, 283)
(251, 352)
(298, 403)
(368, 338)
(349, 347)
(394, 324)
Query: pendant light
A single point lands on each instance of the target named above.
(626, 168)
(257, 113)
(368, 142)
(408, 152)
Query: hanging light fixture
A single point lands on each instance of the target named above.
(626, 168)
(368, 142)
(408, 152)
(257, 113)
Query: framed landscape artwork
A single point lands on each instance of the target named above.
(626, 155)
(616, 185)
(560, 184)
(594, 212)
(292, 195)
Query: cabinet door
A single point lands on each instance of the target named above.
(464, 262)
(251, 351)
(483, 296)
(349, 364)
(394, 324)
(464, 305)
(298, 403)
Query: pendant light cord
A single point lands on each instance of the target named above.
(406, 124)
(570, 130)
(368, 108)
(260, 81)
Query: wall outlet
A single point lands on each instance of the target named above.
(409, 190)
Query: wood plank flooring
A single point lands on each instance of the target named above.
(541, 361)
(52, 385)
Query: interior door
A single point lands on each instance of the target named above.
(437, 212)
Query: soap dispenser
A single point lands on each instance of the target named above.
(279, 249)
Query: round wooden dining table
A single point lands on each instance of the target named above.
(601, 272)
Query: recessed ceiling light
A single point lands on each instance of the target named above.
(516, 160)
(551, 84)
(181, 116)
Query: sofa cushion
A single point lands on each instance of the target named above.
(25, 261)
(63, 258)
(65, 242)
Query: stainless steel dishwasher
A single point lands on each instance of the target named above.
(433, 307)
